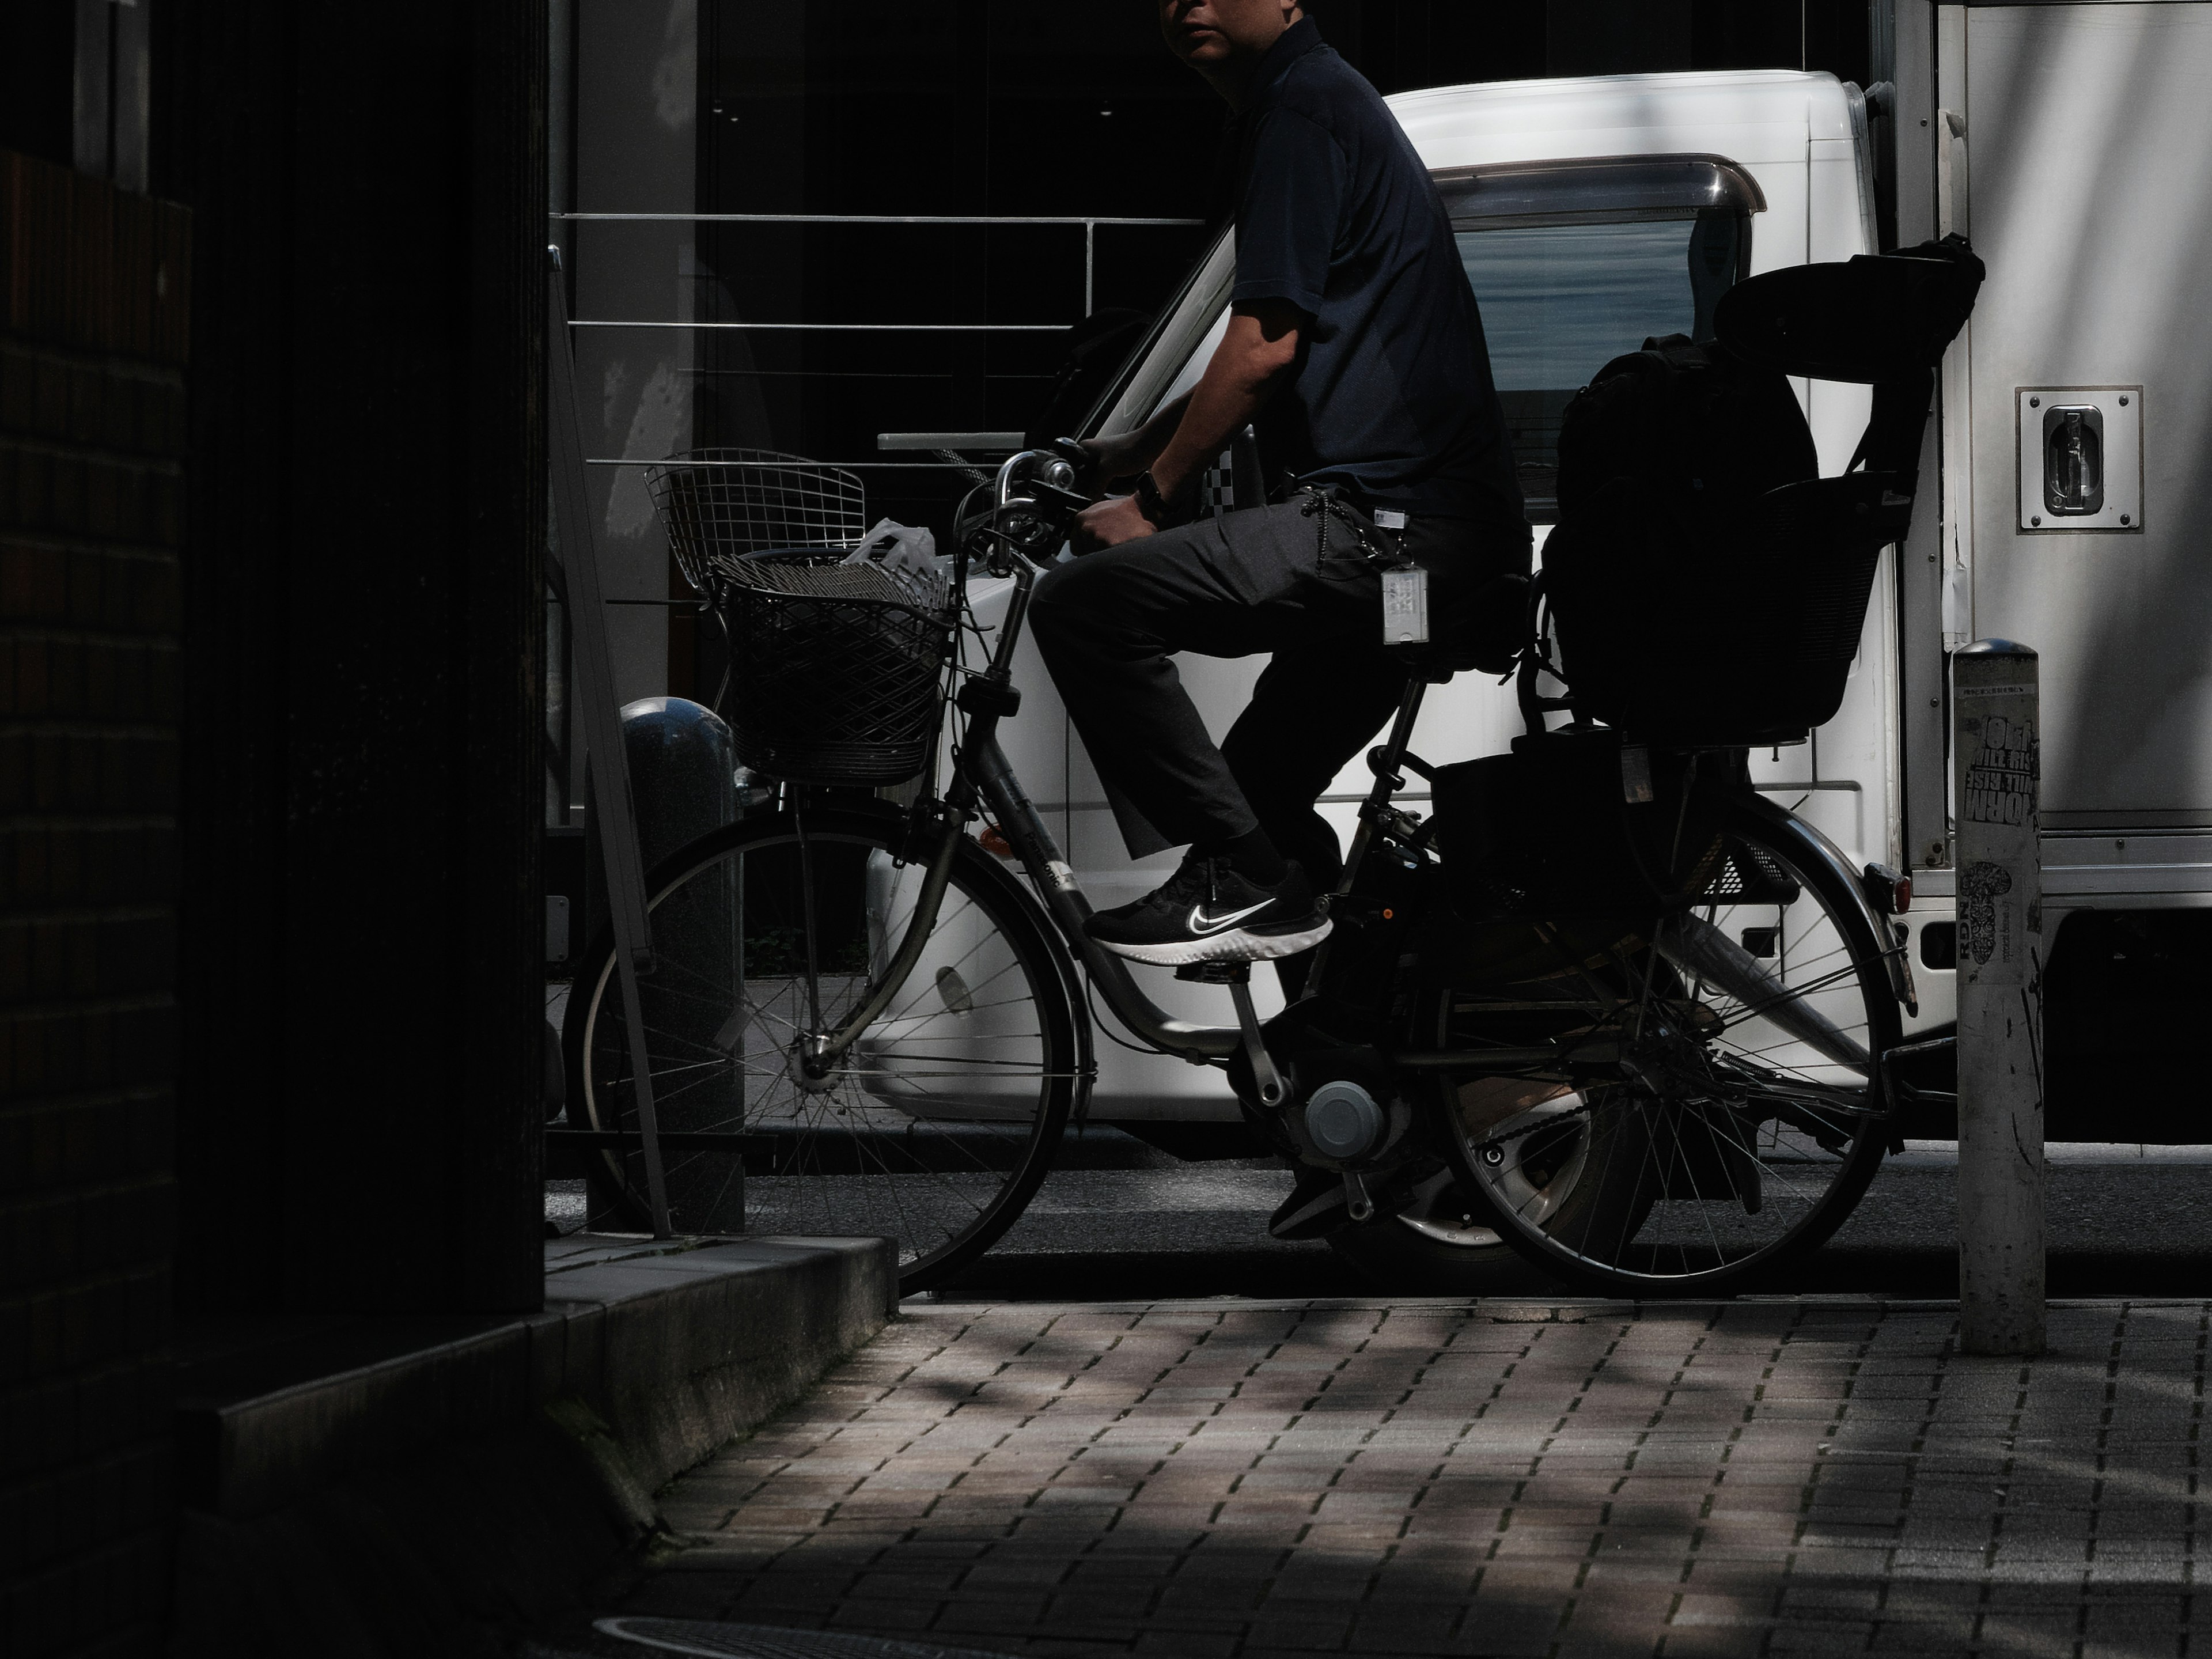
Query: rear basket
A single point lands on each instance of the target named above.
(836, 670)
(1577, 826)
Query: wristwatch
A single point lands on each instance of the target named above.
(1158, 511)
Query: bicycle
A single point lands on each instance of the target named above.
(1646, 1042)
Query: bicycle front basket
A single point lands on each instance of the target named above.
(835, 668)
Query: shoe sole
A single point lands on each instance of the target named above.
(1237, 945)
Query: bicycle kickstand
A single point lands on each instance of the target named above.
(1237, 976)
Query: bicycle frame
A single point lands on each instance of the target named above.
(984, 768)
(983, 774)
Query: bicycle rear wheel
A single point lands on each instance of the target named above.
(941, 1121)
(1722, 1109)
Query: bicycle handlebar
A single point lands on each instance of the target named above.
(1034, 498)
(1055, 470)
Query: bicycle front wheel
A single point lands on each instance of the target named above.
(936, 1127)
(1720, 1110)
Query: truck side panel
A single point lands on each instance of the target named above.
(2088, 126)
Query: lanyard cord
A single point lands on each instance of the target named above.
(1323, 506)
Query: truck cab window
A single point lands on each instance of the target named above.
(1576, 262)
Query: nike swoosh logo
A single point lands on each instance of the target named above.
(1202, 923)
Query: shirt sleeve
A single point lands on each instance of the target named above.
(1286, 218)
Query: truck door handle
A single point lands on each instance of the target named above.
(2073, 460)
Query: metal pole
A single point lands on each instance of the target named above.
(1995, 727)
(1089, 264)
(578, 540)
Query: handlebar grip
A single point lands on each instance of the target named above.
(1085, 463)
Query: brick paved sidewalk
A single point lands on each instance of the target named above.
(1424, 1478)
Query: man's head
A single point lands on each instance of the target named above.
(1222, 39)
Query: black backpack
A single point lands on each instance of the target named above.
(1662, 574)
(1701, 427)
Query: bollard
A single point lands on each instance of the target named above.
(1994, 729)
(683, 766)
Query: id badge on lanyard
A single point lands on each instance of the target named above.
(1404, 594)
(1406, 606)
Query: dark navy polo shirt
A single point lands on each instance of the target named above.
(1336, 215)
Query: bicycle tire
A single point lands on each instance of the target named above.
(1730, 1144)
(940, 1153)
(1440, 1246)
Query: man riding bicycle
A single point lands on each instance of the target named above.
(1354, 349)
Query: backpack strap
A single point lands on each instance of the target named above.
(1679, 352)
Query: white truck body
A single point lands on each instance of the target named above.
(2080, 177)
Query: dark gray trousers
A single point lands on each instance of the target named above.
(1248, 582)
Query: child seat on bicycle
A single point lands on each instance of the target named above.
(1697, 606)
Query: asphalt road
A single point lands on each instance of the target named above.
(2122, 1221)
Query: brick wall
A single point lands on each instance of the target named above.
(93, 330)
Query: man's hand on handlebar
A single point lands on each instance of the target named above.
(1119, 458)
(1110, 523)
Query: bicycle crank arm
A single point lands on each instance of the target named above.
(1696, 946)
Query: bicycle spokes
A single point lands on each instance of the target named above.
(1717, 1102)
(928, 1127)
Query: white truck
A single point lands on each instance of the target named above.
(2067, 140)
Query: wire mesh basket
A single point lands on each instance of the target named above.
(835, 668)
(719, 504)
(1745, 874)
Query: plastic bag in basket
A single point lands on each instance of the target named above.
(906, 554)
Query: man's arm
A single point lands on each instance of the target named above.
(1259, 348)
(1126, 454)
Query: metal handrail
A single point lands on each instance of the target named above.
(842, 328)
(1089, 221)
(882, 218)
(650, 460)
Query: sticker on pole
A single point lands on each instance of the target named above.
(1981, 918)
(2000, 773)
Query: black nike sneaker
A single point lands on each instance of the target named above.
(1208, 913)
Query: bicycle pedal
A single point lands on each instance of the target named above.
(1216, 972)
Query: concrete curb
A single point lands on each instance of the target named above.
(1504, 1310)
(411, 1486)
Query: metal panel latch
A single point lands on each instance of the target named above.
(2073, 459)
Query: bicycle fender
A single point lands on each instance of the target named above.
(1809, 840)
